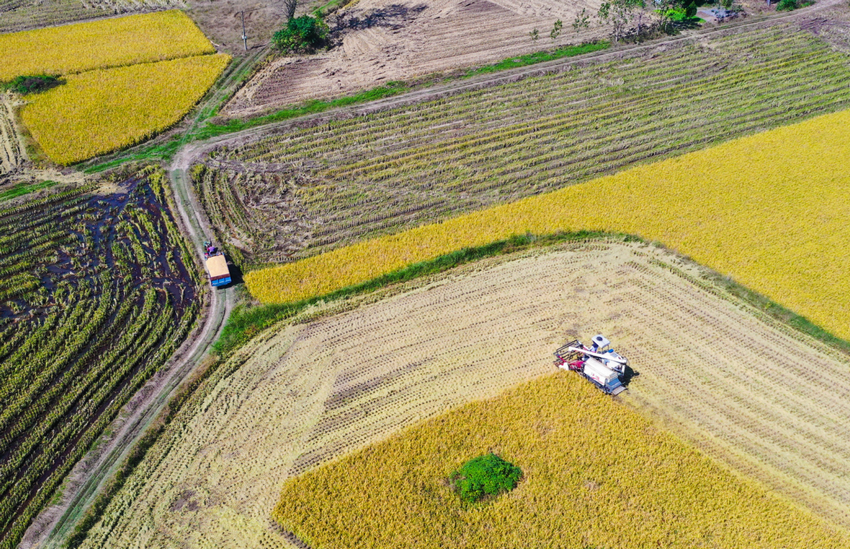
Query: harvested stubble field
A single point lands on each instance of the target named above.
(101, 44)
(95, 296)
(382, 172)
(301, 394)
(100, 111)
(383, 41)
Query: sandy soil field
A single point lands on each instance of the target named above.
(387, 41)
(768, 402)
(12, 151)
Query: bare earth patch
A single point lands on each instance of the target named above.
(12, 151)
(390, 40)
(764, 400)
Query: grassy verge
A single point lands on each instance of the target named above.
(310, 107)
(163, 151)
(540, 57)
(25, 188)
(245, 322)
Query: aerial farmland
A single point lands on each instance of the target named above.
(438, 273)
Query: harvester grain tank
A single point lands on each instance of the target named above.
(598, 363)
(216, 265)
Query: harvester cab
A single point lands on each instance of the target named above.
(599, 363)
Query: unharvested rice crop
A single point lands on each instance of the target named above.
(103, 110)
(597, 474)
(768, 210)
(101, 44)
(301, 394)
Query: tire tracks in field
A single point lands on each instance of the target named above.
(56, 523)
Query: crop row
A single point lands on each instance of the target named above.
(255, 215)
(384, 172)
(106, 298)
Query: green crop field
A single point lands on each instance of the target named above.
(96, 294)
(360, 177)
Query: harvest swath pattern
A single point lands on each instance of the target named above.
(94, 298)
(383, 172)
(432, 37)
(770, 216)
(584, 456)
(99, 111)
(257, 216)
(101, 44)
(300, 395)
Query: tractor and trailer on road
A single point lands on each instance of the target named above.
(216, 265)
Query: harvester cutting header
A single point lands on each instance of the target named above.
(598, 363)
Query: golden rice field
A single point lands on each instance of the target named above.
(314, 389)
(101, 44)
(596, 474)
(100, 111)
(769, 210)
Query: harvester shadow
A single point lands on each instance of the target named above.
(628, 375)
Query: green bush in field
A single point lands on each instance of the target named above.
(301, 34)
(487, 475)
(32, 84)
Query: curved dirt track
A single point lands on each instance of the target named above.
(88, 477)
(300, 395)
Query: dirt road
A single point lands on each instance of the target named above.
(86, 479)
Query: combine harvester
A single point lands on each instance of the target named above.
(598, 363)
(216, 265)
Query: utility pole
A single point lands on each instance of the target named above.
(244, 36)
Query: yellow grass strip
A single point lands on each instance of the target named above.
(101, 44)
(769, 210)
(100, 111)
(596, 474)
